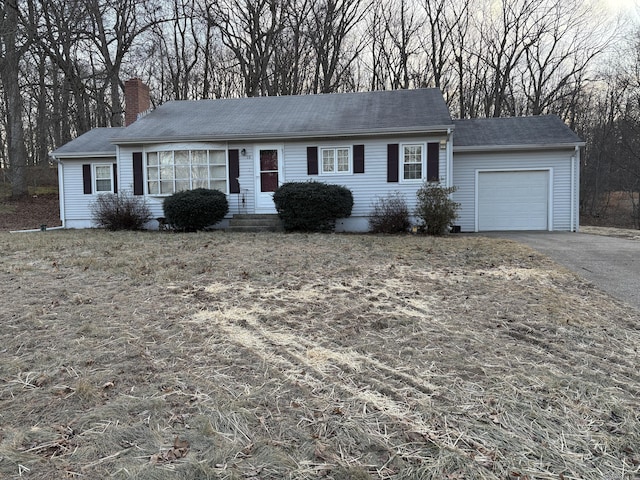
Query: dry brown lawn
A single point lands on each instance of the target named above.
(268, 356)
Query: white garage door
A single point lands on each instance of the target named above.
(516, 200)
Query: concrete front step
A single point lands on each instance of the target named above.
(255, 223)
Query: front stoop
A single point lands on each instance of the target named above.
(255, 223)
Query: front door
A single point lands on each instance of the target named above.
(268, 176)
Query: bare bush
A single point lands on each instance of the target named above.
(120, 211)
(390, 214)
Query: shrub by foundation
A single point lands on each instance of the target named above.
(435, 208)
(390, 215)
(120, 211)
(312, 206)
(193, 210)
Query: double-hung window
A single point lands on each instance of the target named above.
(412, 161)
(336, 160)
(103, 175)
(176, 170)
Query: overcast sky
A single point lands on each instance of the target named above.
(621, 5)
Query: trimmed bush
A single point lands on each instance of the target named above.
(120, 211)
(435, 208)
(312, 206)
(193, 210)
(390, 215)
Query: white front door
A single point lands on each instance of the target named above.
(268, 165)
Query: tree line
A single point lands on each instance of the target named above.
(64, 63)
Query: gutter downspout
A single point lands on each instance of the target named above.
(449, 154)
(572, 190)
(118, 184)
(575, 199)
(60, 188)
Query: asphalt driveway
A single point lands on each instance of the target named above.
(611, 263)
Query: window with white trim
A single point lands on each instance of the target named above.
(335, 160)
(103, 175)
(176, 170)
(412, 161)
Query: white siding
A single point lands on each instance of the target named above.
(125, 174)
(366, 187)
(77, 204)
(466, 164)
(125, 168)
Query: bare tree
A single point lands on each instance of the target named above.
(115, 25)
(62, 33)
(394, 29)
(179, 45)
(438, 44)
(293, 56)
(508, 37)
(11, 54)
(556, 62)
(330, 27)
(250, 29)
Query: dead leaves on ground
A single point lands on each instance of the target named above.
(179, 450)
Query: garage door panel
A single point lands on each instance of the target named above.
(513, 200)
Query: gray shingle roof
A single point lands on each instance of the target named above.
(338, 114)
(344, 114)
(94, 142)
(545, 130)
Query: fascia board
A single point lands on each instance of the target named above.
(284, 136)
(75, 156)
(493, 148)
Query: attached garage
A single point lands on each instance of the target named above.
(513, 200)
(516, 174)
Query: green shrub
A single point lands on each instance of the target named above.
(193, 210)
(120, 211)
(435, 208)
(390, 215)
(312, 206)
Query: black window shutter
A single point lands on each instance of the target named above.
(358, 159)
(115, 178)
(86, 178)
(234, 171)
(312, 160)
(392, 162)
(433, 162)
(138, 178)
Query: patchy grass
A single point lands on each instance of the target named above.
(238, 356)
(612, 232)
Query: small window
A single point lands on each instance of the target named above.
(104, 178)
(412, 162)
(336, 160)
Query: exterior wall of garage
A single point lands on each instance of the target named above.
(562, 163)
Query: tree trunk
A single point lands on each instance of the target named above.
(9, 71)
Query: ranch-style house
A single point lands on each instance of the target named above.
(519, 173)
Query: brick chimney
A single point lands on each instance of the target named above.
(136, 97)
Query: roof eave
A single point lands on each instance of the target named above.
(284, 136)
(537, 146)
(83, 155)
